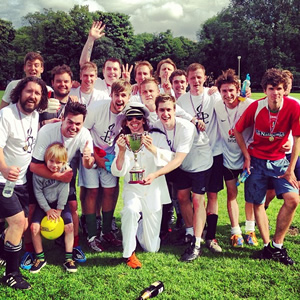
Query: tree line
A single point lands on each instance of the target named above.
(264, 33)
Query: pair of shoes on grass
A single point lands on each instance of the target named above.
(38, 264)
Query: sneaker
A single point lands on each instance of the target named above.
(111, 238)
(191, 253)
(237, 240)
(213, 246)
(114, 226)
(78, 255)
(2, 262)
(133, 262)
(16, 281)
(37, 265)
(251, 238)
(27, 260)
(95, 244)
(276, 254)
(70, 266)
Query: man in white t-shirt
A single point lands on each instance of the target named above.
(102, 121)
(112, 66)
(200, 103)
(179, 83)
(33, 66)
(18, 131)
(228, 111)
(194, 156)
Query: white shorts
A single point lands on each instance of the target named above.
(90, 178)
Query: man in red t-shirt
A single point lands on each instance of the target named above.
(273, 118)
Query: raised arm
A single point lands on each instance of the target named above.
(96, 32)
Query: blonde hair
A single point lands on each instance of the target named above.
(89, 65)
(56, 151)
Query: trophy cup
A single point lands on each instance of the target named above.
(135, 144)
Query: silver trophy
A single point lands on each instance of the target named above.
(134, 143)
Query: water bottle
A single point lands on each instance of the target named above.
(243, 177)
(245, 87)
(153, 290)
(8, 189)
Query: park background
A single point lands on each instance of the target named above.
(265, 34)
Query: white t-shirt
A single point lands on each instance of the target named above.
(202, 107)
(233, 157)
(185, 139)
(51, 133)
(88, 99)
(11, 86)
(101, 85)
(103, 125)
(13, 135)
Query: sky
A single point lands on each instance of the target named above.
(182, 17)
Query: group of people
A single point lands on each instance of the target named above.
(191, 142)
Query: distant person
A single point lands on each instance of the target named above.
(273, 118)
(52, 196)
(18, 133)
(178, 79)
(163, 72)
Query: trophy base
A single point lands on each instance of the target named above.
(136, 177)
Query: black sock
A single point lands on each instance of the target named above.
(2, 226)
(107, 217)
(2, 237)
(12, 254)
(212, 221)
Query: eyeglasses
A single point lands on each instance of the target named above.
(130, 118)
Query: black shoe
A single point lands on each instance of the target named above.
(187, 239)
(276, 254)
(16, 281)
(191, 253)
(37, 265)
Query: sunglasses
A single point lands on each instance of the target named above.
(139, 118)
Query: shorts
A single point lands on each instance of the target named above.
(297, 171)
(90, 178)
(264, 170)
(39, 214)
(231, 174)
(197, 181)
(215, 183)
(18, 202)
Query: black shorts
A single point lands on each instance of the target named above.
(215, 183)
(74, 164)
(231, 174)
(197, 181)
(39, 214)
(18, 202)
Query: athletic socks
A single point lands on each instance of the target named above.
(236, 230)
(249, 226)
(12, 254)
(198, 242)
(189, 230)
(107, 220)
(91, 225)
(277, 245)
(68, 256)
(40, 256)
(211, 220)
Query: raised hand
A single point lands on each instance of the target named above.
(126, 71)
(96, 31)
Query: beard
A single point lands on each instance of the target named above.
(25, 105)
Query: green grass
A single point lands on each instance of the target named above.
(229, 275)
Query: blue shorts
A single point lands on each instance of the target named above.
(264, 170)
(215, 183)
(197, 181)
(19, 201)
(39, 214)
(231, 174)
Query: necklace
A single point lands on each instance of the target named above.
(231, 125)
(90, 98)
(29, 131)
(199, 108)
(171, 143)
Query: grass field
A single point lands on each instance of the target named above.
(231, 274)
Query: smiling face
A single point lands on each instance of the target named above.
(135, 124)
(166, 113)
(119, 101)
(30, 97)
(111, 72)
(61, 85)
(33, 68)
(54, 165)
(196, 81)
(275, 95)
(142, 72)
(149, 92)
(179, 85)
(87, 77)
(229, 94)
(71, 125)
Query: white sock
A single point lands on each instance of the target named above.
(249, 226)
(189, 230)
(236, 230)
(277, 245)
(198, 241)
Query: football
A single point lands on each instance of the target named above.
(52, 229)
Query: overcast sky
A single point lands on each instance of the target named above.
(183, 17)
